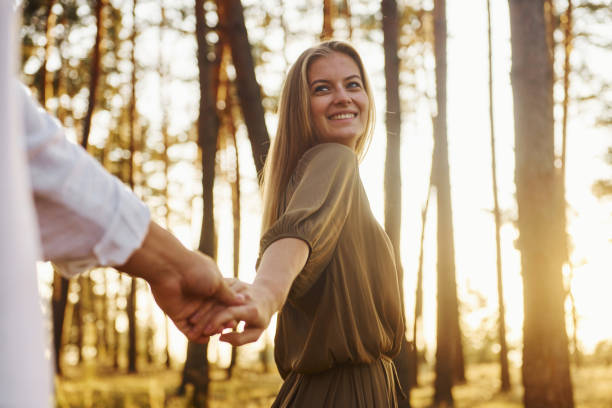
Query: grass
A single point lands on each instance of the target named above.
(85, 388)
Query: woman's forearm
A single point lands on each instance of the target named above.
(280, 264)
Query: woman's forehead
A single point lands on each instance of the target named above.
(332, 65)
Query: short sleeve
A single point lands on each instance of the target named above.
(323, 185)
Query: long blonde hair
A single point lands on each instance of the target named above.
(295, 133)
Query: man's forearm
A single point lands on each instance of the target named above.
(160, 257)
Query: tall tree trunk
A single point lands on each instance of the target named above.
(131, 301)
(162, 72)
(393, 178)
(551, 25)
(501, 323)
(59, 302)
(449, 353)
(236, 209)
(328, 20)
(46, 90)
(232, 22)
(103, 327)
(418, 303)
(116, 333)
(347, 15)
(94, 73)
(196, 365)
(546, 374)
(567, 21)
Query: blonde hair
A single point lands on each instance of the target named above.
(295, 133)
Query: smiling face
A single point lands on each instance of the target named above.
(338, 100)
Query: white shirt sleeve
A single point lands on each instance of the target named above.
(86, 216)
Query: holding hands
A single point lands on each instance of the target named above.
(183, 282)
(280, 264)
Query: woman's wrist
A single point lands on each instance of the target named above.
(274, 293)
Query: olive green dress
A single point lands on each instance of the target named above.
(342, 320)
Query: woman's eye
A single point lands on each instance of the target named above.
(353, 84)
(321, 88)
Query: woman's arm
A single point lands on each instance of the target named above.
(280, 263)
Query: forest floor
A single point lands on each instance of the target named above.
(248, 389)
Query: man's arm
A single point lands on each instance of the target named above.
(182, 281)
(88, 218)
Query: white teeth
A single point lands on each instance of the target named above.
(343, 116)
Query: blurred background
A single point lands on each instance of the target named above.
(178, 99)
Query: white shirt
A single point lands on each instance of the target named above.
(86, 217)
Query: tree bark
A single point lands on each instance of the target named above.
(196, 365)
(501, 323)
(162, 72)
(393, 180)
(567, 21)
(418, 303)
(94, 74)
(347, 15)
(232, 23)
(236, 209)
(59, 302)
(131, 301)
(449, 353)
(328, 20)
(546, 374)
(46, 90)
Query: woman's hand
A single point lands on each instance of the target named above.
(280, 264)
(259, 307)
(183, 282)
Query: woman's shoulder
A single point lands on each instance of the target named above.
(325, 160)
(329, 154)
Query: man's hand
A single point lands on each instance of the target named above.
(280, 264)
(260, 306)
(183, 282)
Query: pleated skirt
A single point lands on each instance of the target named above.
(372, 385)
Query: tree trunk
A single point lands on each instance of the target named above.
(46, 90)
(501, 323)
(551, 25)
(347, 15)
(162, 72)
(567, 21)
(546, 375)
(131, 312)
(196, 365)
(59, 302)
(131, 301)
(103, 327)
(393, 179)
(418, 303)
(231, 19)
(116, 334)
(449, 353)
(393, 183)
(236, 209)
(328, 20)
(94, 73)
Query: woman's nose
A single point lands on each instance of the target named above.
(342, 96)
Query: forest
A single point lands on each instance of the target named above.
(490, 171)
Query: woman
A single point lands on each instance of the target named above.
(325, 262)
